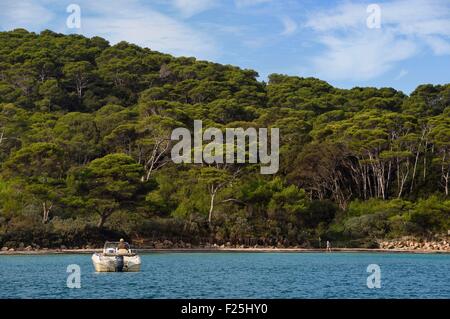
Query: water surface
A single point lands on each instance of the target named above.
(232, 275)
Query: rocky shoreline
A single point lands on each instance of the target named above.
(413, 245)
(230, 250)
(395, 246)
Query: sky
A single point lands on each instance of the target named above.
(397, 43)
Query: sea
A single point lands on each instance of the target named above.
(231, 275)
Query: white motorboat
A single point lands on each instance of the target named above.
(113, 259)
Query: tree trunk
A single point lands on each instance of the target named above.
(45, 212)
(79, 91)
(103, 218)
(414, 171)
(445, 175)
(416, 161)
(101, 221)
(425, 160)
(446, 178)
(388, 180)
(211, 207)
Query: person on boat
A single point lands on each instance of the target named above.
(122, 248)
(328, 245)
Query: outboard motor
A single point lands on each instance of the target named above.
(119, 263)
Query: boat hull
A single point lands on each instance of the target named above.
(104, 263)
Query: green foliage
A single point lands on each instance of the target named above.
(108, 184)
(85, 147)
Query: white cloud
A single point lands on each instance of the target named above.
(19, 14)
(290, 26)
(402, 73)
(438, 45)
(361, 57)
(342, 17)
(255, 42)
(145, 26)
(188, 8)
(249, 3)
(352, 51)
(136, 22)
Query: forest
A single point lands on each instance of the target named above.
(85, 147)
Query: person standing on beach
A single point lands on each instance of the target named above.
(328, 246)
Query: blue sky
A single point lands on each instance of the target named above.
(325, 39)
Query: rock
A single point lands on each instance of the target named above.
(415, 244)
(63, 247)
(167, 244)
(4, 248)
(28, 248)
(188, 245)
(11, 249)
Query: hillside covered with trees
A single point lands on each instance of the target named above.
(85, 151)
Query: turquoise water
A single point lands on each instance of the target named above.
(232, 275)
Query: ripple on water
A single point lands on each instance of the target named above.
(232, 275)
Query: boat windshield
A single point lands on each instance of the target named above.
(111, 247)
